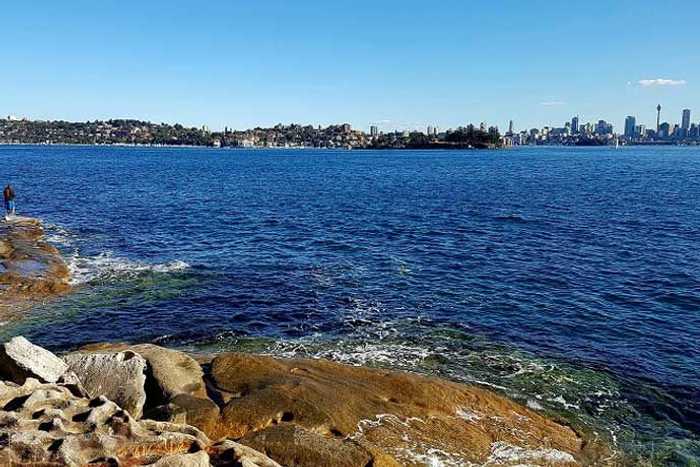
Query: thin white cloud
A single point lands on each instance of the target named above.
(661, 82)
(552, 103)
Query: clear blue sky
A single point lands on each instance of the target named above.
(398, 63)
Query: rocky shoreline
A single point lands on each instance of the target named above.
(124, 404)
(31, 269)
(121, 404)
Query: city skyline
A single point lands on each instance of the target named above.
(685, 122)
(240, 65)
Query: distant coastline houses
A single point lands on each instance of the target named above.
(16, 130)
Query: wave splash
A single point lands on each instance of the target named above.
(106, 267)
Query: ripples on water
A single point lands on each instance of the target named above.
(565, 278)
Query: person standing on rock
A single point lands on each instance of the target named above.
(9, 195)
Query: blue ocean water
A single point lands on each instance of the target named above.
(567, 278)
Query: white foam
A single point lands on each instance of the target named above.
(468, 415)
(361, 354)
(534, 405)
(106, 266)
(507, 453)
(561, 401)
(416, 452)
(58, 235)
(433, 457)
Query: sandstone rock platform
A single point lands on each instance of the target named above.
(30, 268)
(251, 410)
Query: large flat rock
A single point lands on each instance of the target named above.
(119, 376)
(20, 359)
(285, 408)
(30, 268)
(293, 445)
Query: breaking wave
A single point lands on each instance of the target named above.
(107, 267)
(58, 235)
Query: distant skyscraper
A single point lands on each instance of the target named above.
(430, 130)
(630, 127)
(373, 131)
(658, 117)
(510, 128)
(603, 128)
(686, 120)
(574, 125)
(694, 131)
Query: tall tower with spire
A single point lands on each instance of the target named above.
(658, 117)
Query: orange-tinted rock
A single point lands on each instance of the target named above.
(30, 268)
(285, 407)
(293, 445)
(200, 412)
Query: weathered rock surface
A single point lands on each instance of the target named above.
(175, 389)
(47, 425)
(293, 445)
(30, 268)
(279, 412)
(118, 376)
(315, 412)
(228, 452)
(173, 372)
(20, 359)
(198, 459)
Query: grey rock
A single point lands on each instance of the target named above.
(173, 372)
(169, 372)
(20, 359)
(119, 376)
(71, 381)
(46, 424)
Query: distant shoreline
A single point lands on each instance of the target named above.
(441, 147)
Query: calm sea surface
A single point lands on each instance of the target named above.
(568, 279)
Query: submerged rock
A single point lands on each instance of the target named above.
(20, 359)
(119, 376)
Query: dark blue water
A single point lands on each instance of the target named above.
(567, 278)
